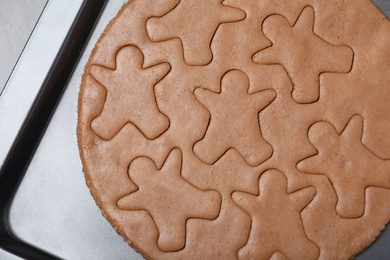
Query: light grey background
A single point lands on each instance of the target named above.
(17, 20)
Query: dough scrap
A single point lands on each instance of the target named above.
(194, 115)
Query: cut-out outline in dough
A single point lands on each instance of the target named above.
(268, 99)
(188, 62)
(272, 44)
(238, 195)
(306, 165)
(136, 49)
(174, 155)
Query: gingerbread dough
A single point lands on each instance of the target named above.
(240, 129)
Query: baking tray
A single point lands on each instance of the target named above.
(33, 227)
(46, 209)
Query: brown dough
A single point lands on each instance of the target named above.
(240, 129)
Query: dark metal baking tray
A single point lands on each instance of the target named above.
(46, 209)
